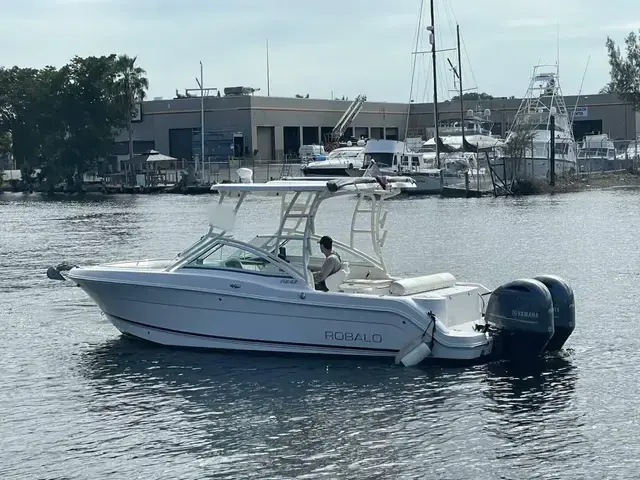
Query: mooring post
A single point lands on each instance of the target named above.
(552, 151)
(466, 183)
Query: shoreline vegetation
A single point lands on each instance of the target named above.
(581, 183)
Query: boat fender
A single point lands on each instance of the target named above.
(520, 318)
(350, 166)
(564, 312)
(417, 349)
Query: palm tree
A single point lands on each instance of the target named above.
(132, 85)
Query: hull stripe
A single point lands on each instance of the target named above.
(250, 340)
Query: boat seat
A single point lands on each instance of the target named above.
(334, 281)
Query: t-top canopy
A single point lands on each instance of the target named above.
(347, 184)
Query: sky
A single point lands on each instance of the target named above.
(325, 48)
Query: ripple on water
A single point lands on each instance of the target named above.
(81, 402)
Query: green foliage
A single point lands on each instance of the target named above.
(625, 70)
(5, 143)
(473, 96)
(64, 120)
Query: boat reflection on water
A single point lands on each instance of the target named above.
(279, 414)
(532, 412)
(541, 387)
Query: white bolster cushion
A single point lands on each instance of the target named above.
(426, 283)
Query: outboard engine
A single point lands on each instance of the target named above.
(520, 319)
(564, 311)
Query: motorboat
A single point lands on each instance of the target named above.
(395, 157)
(258, 294)
(598, 153)
(338, 163)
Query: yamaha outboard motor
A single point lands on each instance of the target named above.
(564, 311)
(520, 319)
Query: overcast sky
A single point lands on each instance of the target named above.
(318, 47)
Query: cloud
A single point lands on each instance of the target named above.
(623, 26)
(317, 51)
(531, 22)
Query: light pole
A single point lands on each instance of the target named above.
(201, 89)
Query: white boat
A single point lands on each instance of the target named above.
(631, 152)
(339, 162)
(258, 295)
(394, 157)
(543, 100)
(597, 153)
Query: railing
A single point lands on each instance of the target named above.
(608, 156)
(263, 171)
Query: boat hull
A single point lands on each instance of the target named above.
(536, 168)
(332, 172)
(233, 313)
(429, 183)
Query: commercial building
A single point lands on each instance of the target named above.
(272, 128)
(266, 128)
(592, 114)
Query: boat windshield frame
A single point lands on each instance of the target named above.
(299, 205)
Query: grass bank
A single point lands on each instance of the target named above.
(580, 183)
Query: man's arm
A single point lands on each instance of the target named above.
(326, 269)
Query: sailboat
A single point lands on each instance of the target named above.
(461, 139)
(436, 162)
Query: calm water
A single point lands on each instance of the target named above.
(78, 401)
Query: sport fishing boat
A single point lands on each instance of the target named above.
(542, 113)
(259, 295)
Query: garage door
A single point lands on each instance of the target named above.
(266, 143)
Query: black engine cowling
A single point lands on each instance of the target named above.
(564, 311)
(520, 318)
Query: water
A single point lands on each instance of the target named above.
(78, 401)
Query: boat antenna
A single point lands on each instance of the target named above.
(413, 74)
(573, 115)
(432, 40)
(558, 50)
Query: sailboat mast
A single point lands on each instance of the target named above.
(435, 82)
(460, 82)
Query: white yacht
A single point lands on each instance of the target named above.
(543, 100)
(596, 153)
(258, 294)
(475, 129)
(338, 162)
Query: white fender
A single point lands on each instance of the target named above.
(413, 353)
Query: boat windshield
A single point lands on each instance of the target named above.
(232, 257)
(343, 154)
(380, 158)
(596, 152)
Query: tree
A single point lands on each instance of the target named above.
(5, 143)
(625, 71)
(518, 144)
(64, 121)
(473, 96)
(131, 85)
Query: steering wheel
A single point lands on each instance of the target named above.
(233, 263)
